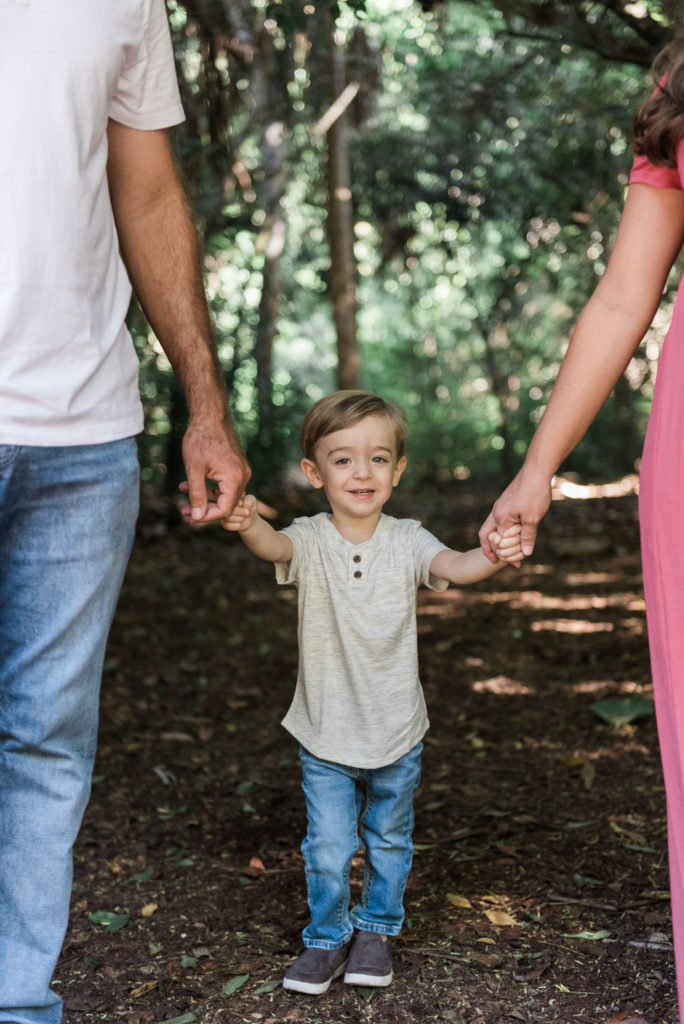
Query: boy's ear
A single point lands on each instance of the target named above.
(398, 470)
(311, 473)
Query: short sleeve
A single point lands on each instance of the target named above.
(147, 93)
(298, 532)
(646, 173)
(425, 547)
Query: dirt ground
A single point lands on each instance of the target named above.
(539, 887)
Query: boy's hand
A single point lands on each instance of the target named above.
(508, 547)
(243, 515)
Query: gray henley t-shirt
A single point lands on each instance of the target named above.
(358, 699)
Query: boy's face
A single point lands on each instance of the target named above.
(357, 467)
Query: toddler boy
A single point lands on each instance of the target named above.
(358, 711)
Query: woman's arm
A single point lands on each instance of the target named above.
(606, 335)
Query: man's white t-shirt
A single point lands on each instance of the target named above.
(68, 369)
(358, 699)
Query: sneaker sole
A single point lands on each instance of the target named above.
(313, 988)
(370, 980)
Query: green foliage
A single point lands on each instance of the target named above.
(489, 161)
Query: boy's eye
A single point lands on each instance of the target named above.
(342, 462)
(380, 458)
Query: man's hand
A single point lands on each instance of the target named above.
(212, 451)
(524, 503)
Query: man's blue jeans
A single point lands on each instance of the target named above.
(67, 519)
(345, 807)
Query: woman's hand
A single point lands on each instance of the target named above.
(524, 503)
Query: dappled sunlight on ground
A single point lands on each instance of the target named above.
(503, 686)
(562, 488)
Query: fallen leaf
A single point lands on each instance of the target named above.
(458, 901)
(588, 774)
(142, 876)
(622, 710)
(236, 982)
(268, 986)
(112, 921)
(143, 989)
(500, 917)
(149, 909)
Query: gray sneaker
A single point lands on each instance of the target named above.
(313, 971)
(370, 960)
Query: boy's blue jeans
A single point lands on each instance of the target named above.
(67, 519)
(347, 806)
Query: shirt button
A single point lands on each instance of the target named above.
(357, 558)
(358, 575)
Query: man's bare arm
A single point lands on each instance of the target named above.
(159, 246)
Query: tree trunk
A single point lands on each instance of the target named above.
(340, 228)
(271, 240)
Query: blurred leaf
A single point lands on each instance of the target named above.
(186, 1018)
(585, 879)
(458, 901)
(268, 986)
(588, 774)
(142, 876)
(112, 921)
(592, 936)
(500, 917)
(622, 710)
(142, 990)
(236, 982)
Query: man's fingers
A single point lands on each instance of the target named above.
(197, 494)
(528, 537)
(224, 503)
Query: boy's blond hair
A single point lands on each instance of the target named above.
(343, 409)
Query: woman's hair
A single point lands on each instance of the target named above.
(345, 408)
(659, 125)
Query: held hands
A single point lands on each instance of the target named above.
(507, 546)
(523, 504)
(211, 451)
(239, 518)
(243, 515)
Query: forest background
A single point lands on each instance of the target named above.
(412, 197)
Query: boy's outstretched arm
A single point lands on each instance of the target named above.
(258, 535)
(471, 566)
